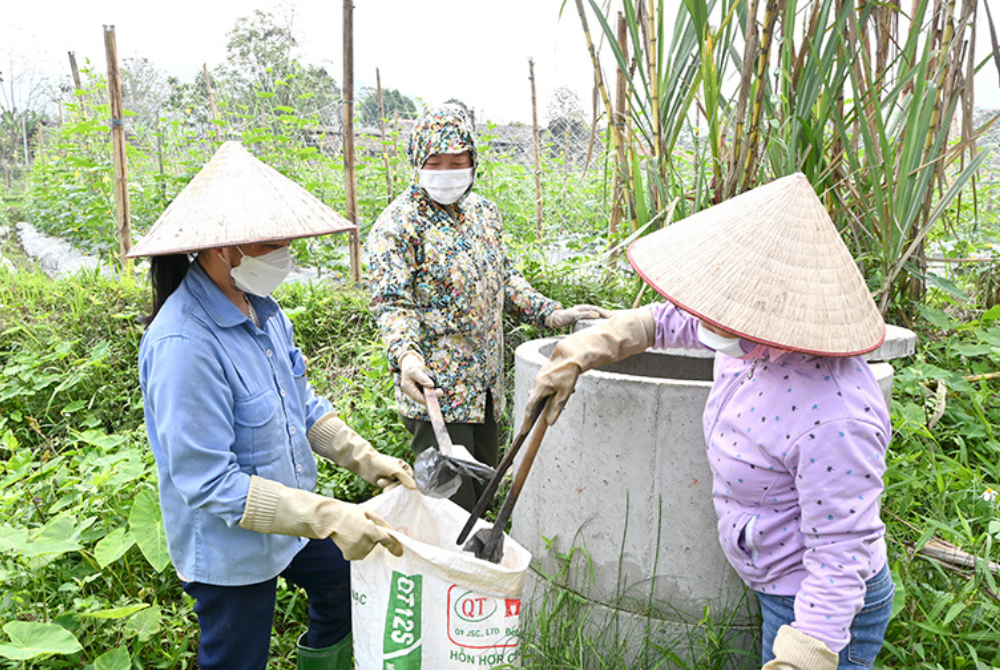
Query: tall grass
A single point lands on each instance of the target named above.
(863, 98)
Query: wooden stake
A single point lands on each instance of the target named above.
(211, 101)
(381, 121)
(538, 152)
(24, 138)
(76, 81)
(351, 185)
(118, 144)
(159, 157)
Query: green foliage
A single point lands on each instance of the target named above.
(261, 73)
(940, 482)
(871, 131)
(394, 104)
(82, 549)
(30, 640)
(570, 625)
(81, 542)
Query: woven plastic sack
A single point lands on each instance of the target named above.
(436, 607)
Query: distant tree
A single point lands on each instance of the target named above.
(26, 97)
(392, 101)
(259, 53)
(145, 90)
(565, 104)
(567, 130)
(261, 66)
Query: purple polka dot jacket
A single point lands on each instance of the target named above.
(797, 450)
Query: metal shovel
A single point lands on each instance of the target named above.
(438, 471)
(487, 543)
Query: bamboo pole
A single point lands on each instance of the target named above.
(24, 140)
(740, 147)
(772, 9)
(118, 148)
(599, 80)
(616, 133)
(211, 101)
(617, 195)
(76, 81)
(159, 156)
(75, 70)
(385, 151)
(652, 63)
(943, 76)
(538, 150)
(351, 184)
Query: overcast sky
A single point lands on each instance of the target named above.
(473, 50)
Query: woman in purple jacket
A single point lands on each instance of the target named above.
(796, 427)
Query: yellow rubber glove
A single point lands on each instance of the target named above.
(277, 509)
(626, 333)
(334, 440)
(567, 317)
(413, 377)
(794, 650)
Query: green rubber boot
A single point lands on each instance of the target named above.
(337, 657)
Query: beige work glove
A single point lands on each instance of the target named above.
(277, 509)
(794, 650)
(567, 317)
(414, 378)
(334, 440)
(627, 332)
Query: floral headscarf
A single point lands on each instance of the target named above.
(442, 130)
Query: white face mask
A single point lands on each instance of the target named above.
(730, 346)
(446, 186)
(262, 274)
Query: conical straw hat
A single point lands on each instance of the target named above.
(768, 265)
(237, 199)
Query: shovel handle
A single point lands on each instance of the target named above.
(437, 421)
(491, 488)
(493, 547)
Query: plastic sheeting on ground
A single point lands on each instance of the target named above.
(57, 258)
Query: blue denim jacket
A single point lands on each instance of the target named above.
(224, 400)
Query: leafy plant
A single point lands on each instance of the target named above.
(870, 131)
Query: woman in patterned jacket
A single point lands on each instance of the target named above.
(441, 282)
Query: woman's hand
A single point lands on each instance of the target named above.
(794, 650)
(562, 318)
(414, 378)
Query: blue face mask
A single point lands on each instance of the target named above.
(260, 275)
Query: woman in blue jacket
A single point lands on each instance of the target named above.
(233, 421)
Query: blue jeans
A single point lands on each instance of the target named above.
(235, 621)
(867, 630)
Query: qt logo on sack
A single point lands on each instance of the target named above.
(401, 644)
(473, 608)
(482, 625)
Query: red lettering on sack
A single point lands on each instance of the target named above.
(513, 607)
(456, 605)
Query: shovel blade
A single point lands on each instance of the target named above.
(486, 545)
